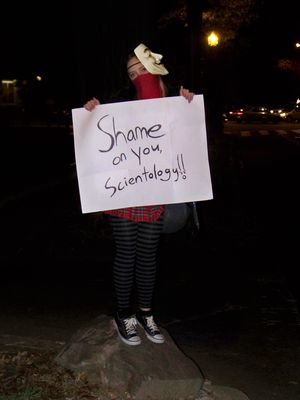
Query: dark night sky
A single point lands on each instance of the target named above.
(35, 39)
(63, 39)
(59, 39)
(38, 36)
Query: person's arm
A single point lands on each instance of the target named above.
(91, 104)
(186, 94)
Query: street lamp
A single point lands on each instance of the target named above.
(213, 84)
(213, 39)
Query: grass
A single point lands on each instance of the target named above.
(27, 394)
(33, 375)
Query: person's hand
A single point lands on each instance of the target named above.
(91, 104)
(186, 94)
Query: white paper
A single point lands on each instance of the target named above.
(142, 152)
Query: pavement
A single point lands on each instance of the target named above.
(222, 293)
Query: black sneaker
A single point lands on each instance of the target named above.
(126, 328)
(152, 331)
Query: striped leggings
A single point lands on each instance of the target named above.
(136, 246)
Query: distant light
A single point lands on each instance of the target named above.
(8, 81)
(298, 44)
(38, 78)
(213, 39)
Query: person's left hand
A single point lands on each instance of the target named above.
(186, 94)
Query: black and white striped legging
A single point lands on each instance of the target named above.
(136, 246)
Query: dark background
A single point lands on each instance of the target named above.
(227, 291)
(79, 49)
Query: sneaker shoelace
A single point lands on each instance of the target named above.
(151, 324)
(130, 325)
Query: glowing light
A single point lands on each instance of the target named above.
(213, 39)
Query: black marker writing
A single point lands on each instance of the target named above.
(147, 175)
(114, 135)
(181, 166)
(145, 151)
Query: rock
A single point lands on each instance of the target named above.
(148, 371)
(216, 392)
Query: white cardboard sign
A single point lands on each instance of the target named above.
(143, 152)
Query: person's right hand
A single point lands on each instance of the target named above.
(91, 104)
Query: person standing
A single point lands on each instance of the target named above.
(137, 230)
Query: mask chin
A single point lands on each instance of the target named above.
(147, 86)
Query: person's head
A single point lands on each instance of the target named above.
(144, 71)
(135, 67)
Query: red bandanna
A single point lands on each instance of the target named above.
(147, 86)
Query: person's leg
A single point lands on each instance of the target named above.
(125, 236)
(147, 246)
(146, 253)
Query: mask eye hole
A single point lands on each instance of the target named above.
(147, 52)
